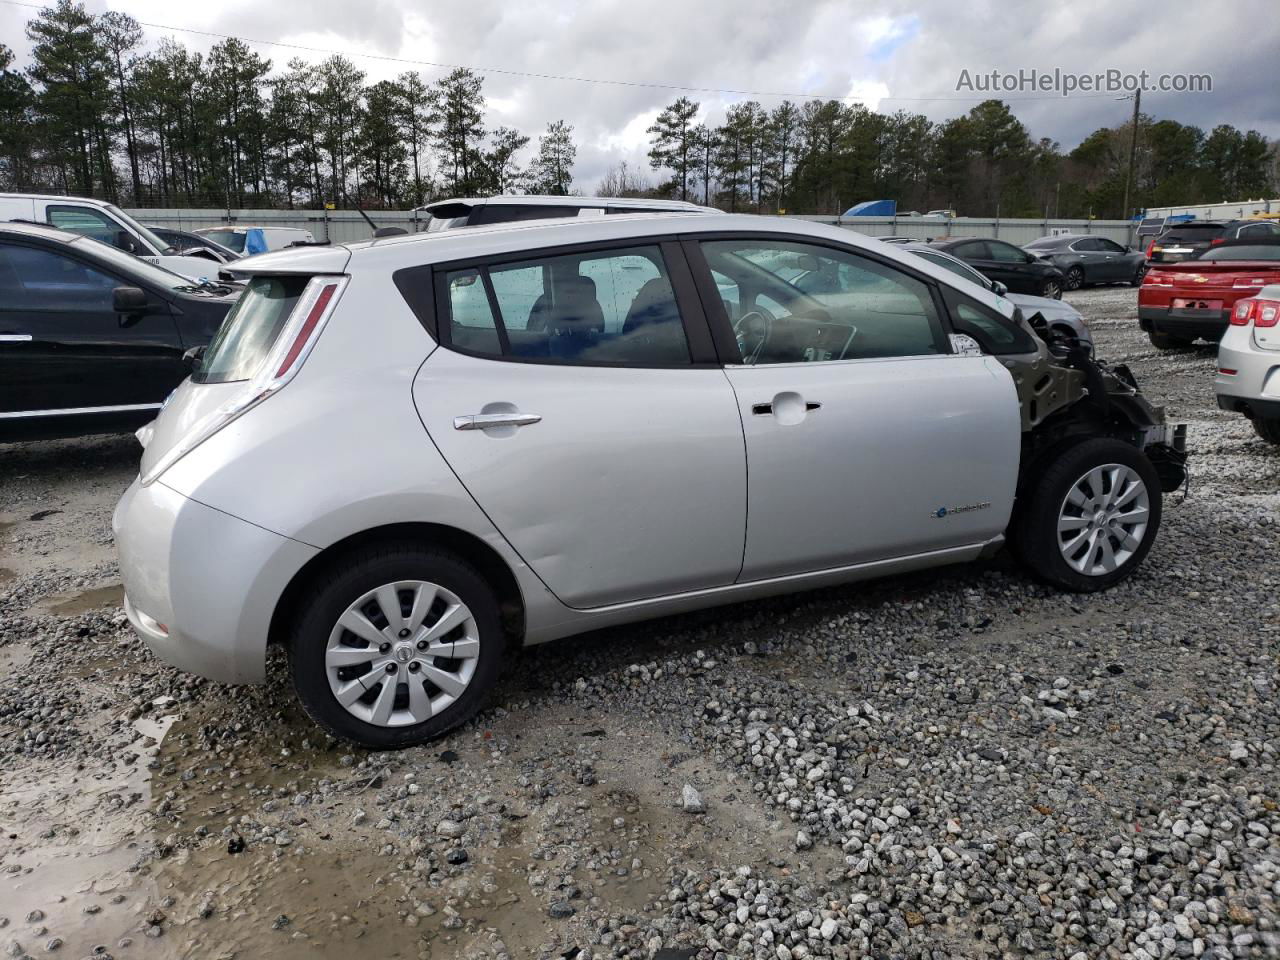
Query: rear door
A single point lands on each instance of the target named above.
(62, 346)
(1092, 260)
(866, 438)
(578, 400)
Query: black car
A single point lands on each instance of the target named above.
(194, 245)
(92, 338)
(1085, 259)
(1183, 241)
(1018, 270)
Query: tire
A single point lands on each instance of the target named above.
(459, 593)
(1051, 288)
(1268, 430)
(1136, 279)
(1074, 279)
(1036, 536)
(1164, 341)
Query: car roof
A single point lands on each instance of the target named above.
(40, 230)
(60, 197)
(249, 226)
(460, 206)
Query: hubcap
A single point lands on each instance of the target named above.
(402, 653)
(1103, 519)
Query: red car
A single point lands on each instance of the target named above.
(1181, 302)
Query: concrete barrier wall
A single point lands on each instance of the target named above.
(344, 226)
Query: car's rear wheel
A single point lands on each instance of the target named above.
(1163, 341)
(1090, 518)
(396, 645)
(1051, 288)
(1074, 279)
(1268, 430)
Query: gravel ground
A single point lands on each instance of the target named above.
(954, 764)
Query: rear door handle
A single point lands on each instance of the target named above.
(15, 338)
(483, 421)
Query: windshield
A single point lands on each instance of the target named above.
(250, 329)
(140, 268)
(1252, 251)
(1195, 233)
(159, 245)
(232, 239)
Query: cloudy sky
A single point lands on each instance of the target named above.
(896, 54)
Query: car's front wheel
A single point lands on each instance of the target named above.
(1089, 519)
(1138, 274)
(1268, 430)
(396, 645)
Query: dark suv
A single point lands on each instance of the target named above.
(92, 338)
(1183, 241)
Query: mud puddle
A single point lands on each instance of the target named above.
(83, 601)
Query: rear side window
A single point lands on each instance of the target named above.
(602, 307)
(250, 329)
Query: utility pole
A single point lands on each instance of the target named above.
(1133, 152)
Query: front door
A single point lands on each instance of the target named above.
(62, 346)
(866, 439)
(576, 401)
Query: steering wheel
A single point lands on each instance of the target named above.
(753, 330)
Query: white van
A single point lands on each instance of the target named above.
(106, 222)
(251, 240)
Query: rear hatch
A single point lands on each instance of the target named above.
(1184, 241)
(261, 344)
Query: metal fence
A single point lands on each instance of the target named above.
(343, 226)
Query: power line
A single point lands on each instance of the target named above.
(552, 76)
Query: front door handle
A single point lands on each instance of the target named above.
(15, 338)
(483, 421)
(765, 409)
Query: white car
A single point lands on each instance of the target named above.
(400, 458)
(1248, 379)
(105, 222)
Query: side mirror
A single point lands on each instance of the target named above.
(998, 288)
(125, 242)
(130, 303)
(192, 357)
(1031, 257)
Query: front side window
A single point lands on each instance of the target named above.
(801, 303)
(250, 329)
(973, 250)
(87, 222)
(32, 278)
(603, 307)
(1108, 246)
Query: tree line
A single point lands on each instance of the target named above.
(825, 156)
(95, 114)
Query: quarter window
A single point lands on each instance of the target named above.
(603, 307)
(801, 303)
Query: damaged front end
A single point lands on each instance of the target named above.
(1065, 395)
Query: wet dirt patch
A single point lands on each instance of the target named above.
(83, 601)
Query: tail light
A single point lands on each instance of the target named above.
(1151, 247)
(1248, 283)
(1216, 240)
(1158, 278)
(280, 366)
(1262, 313)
